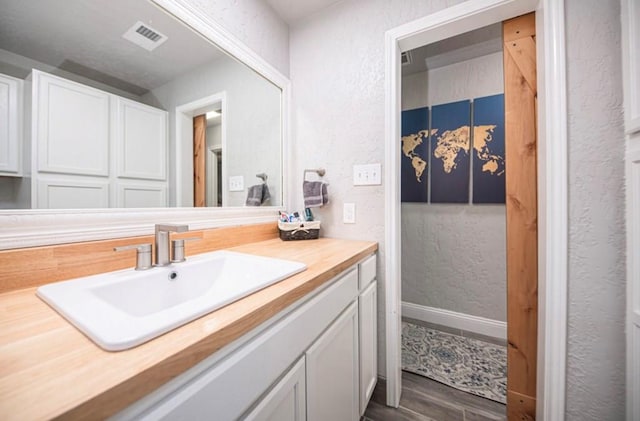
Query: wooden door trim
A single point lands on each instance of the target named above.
(552, 180)
(520, 96)
(199, 159)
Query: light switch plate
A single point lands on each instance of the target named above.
(349, 213)
(236, 183)
(367, 175)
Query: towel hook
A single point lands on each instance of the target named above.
(262, 176)
(320, 171)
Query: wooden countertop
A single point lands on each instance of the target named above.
(48, 369)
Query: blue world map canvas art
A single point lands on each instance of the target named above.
(450, 144)
(488, 150)
(414, 143)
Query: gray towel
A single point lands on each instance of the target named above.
(257, 195)
(315, 194)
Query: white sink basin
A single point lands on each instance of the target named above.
(119, 310)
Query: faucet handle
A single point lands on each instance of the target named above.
(143, 254)
(177, 248)
(172, 227)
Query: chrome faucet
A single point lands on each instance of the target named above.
(162, 241)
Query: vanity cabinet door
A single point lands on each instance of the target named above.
(10, 126)
(287, 399)
(332, 371)
(367, 318)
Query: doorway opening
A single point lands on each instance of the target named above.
(201, 140)
(453, 217)
(214, 173)
(552, 181)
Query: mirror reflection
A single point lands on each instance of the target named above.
(116, 104)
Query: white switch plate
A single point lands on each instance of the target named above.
(367, 175)
(349, 213)
(236, 183)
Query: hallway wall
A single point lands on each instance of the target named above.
(454, 256)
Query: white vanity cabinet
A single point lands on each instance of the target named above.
(10, 126)
(303, 364)
(368, 329)
(332, 371)
(286, 401)
(91, 148)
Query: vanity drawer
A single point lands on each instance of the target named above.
(367, 272)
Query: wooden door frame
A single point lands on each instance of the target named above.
(199, 160)
(552, 181)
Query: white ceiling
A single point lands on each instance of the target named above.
(292, 11)
(85, 37)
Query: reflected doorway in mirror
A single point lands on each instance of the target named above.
(207, 152)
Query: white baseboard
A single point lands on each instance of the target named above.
(475, 324)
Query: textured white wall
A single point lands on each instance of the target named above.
(414, 90)
(255, 24)
(252, 124)
(468, 79)
(337, 76)
(596, 339)
(454, 256)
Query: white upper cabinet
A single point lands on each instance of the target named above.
(141, 141)
(71, 126)
(99, 143)
(10, 126)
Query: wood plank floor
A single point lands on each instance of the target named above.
(424, 399)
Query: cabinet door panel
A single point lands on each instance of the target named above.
(72, 127)
(72, 194)
(332, 371)
(142, 141)
(367, 272)
(10, 125)
(367, 319)
(287, 399)
(151, 195)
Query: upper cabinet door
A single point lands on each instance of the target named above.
(141, 141)
(71, 126)
(10, 125)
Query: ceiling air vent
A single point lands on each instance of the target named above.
(406, 58)
(144, 36)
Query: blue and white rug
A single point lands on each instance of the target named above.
(467, 364)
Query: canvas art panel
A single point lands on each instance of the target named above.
(450, 147)
(488, 150)
(415, 155)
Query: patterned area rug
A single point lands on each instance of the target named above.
(467, 364)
